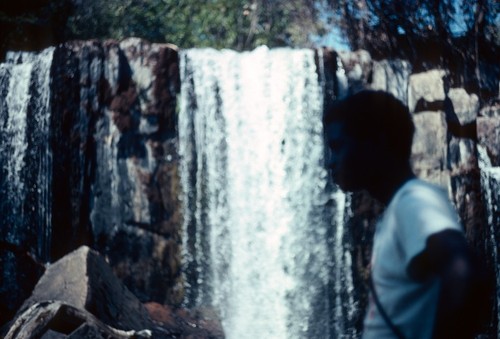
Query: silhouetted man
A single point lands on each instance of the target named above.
(421, 267)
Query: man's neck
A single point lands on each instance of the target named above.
(391, 181)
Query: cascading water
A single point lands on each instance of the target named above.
(25, 156)
(258, 239)
(490, 184)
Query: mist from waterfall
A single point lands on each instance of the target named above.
(258, 231)
(25, 164)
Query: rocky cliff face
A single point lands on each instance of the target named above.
(113, 164)
(119, 126)
(114, 174)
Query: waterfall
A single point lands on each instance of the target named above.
(25, 156)
(490, 184)
(342, 82)
(258, 235)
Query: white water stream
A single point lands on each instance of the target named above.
(490, 184)
(258, 238)
(25, 134)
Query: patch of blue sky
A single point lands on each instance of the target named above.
(458, 26)
(332, 39)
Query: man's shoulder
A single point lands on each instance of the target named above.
(420, 190)
(426, 204)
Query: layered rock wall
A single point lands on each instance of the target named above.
(114, 167)
(117, 180)
(452, 127)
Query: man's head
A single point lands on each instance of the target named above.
(369, 133)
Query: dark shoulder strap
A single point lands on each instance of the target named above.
(382, 312)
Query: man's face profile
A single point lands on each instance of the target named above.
(348, 158)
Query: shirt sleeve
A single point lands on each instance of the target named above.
(419, 214)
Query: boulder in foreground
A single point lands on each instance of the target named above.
(79, 297)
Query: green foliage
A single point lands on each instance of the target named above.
(457, 34)
(237, 24)
(397, 27)
(32, 24)
(379, 24)
(461, 35)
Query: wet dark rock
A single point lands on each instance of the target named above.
(76, 105)
(56, 320)
(136, 206)
(20, 273)
(151, 264)
(360, 227)
(201, 323)
(84, 280)
(163, 314)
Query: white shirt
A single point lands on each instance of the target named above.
(417, 211)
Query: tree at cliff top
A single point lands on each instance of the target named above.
(237, 24)
(32, 24)
(460, 35)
